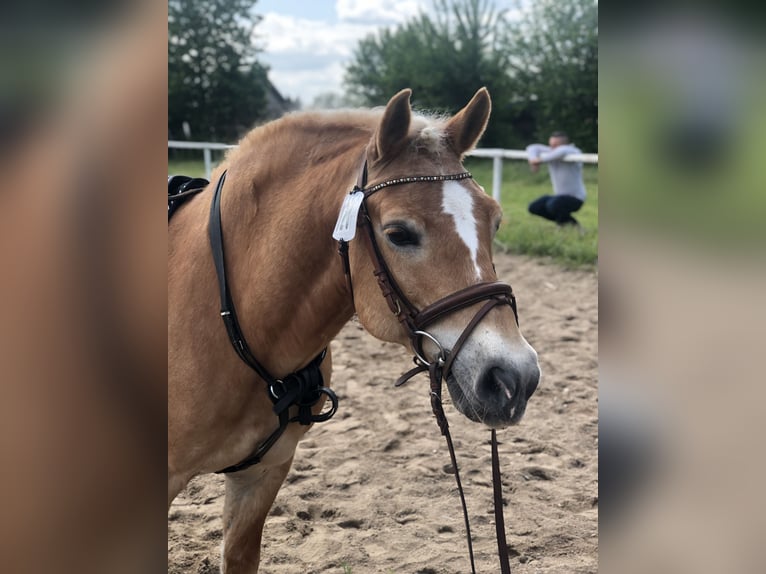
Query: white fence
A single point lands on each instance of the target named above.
(497, 155)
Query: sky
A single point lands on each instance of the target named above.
(307, 43)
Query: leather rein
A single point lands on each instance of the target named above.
(416, 321)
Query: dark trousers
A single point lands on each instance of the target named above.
(558, 208)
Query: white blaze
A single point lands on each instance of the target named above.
(458, 203)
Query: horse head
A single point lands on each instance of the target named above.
(435, 237)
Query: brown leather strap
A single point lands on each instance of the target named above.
(486, 308)
(361, 179)
(441, 419)
(369, 190)
(397, 301)
(343, 251)
(421, 368)
(415, 321)
(460, 299)
(497, 487)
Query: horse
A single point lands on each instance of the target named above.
(282, 195)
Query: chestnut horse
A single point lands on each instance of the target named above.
(284, 187)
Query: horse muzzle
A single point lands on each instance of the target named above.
(498, 396)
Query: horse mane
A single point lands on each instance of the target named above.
(316, 136)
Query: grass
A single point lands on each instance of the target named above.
(192, 168)
(530, 235)
(520, 232)
(707, 191)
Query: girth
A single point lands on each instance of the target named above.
(303, 388)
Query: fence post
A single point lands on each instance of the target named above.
(208, 162)
(497, 177)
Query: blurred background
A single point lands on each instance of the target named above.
(681, 89)
(83, 106)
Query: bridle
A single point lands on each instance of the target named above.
(416, 321)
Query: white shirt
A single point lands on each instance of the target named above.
(566, 176)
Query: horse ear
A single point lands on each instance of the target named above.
(467, 126)
(394, 126)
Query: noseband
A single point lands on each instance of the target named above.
(355, 214)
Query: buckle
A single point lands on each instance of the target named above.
(274, 393)
(326, 415)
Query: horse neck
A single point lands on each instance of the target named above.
(284, 272)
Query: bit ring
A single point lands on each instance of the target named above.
(441, 356)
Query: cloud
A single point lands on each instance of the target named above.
(378, 11)
(307, 57)
(308, 83)
(289, 34)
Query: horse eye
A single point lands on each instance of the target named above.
(402, 237)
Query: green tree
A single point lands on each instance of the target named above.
(444, 58)
(553, 60)
(215, 83)
(541, 68)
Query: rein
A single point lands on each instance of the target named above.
(416, 321)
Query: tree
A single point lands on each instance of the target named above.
(554, 63)
(444, 58)
(541, 69)
(215, 82)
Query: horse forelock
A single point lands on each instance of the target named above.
(429, 134)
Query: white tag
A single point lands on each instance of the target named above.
(345, 227)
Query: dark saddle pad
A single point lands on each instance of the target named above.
(181, 188)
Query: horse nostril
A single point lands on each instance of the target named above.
(497, 384)
(531, 387)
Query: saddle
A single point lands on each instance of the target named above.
(181, 188)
